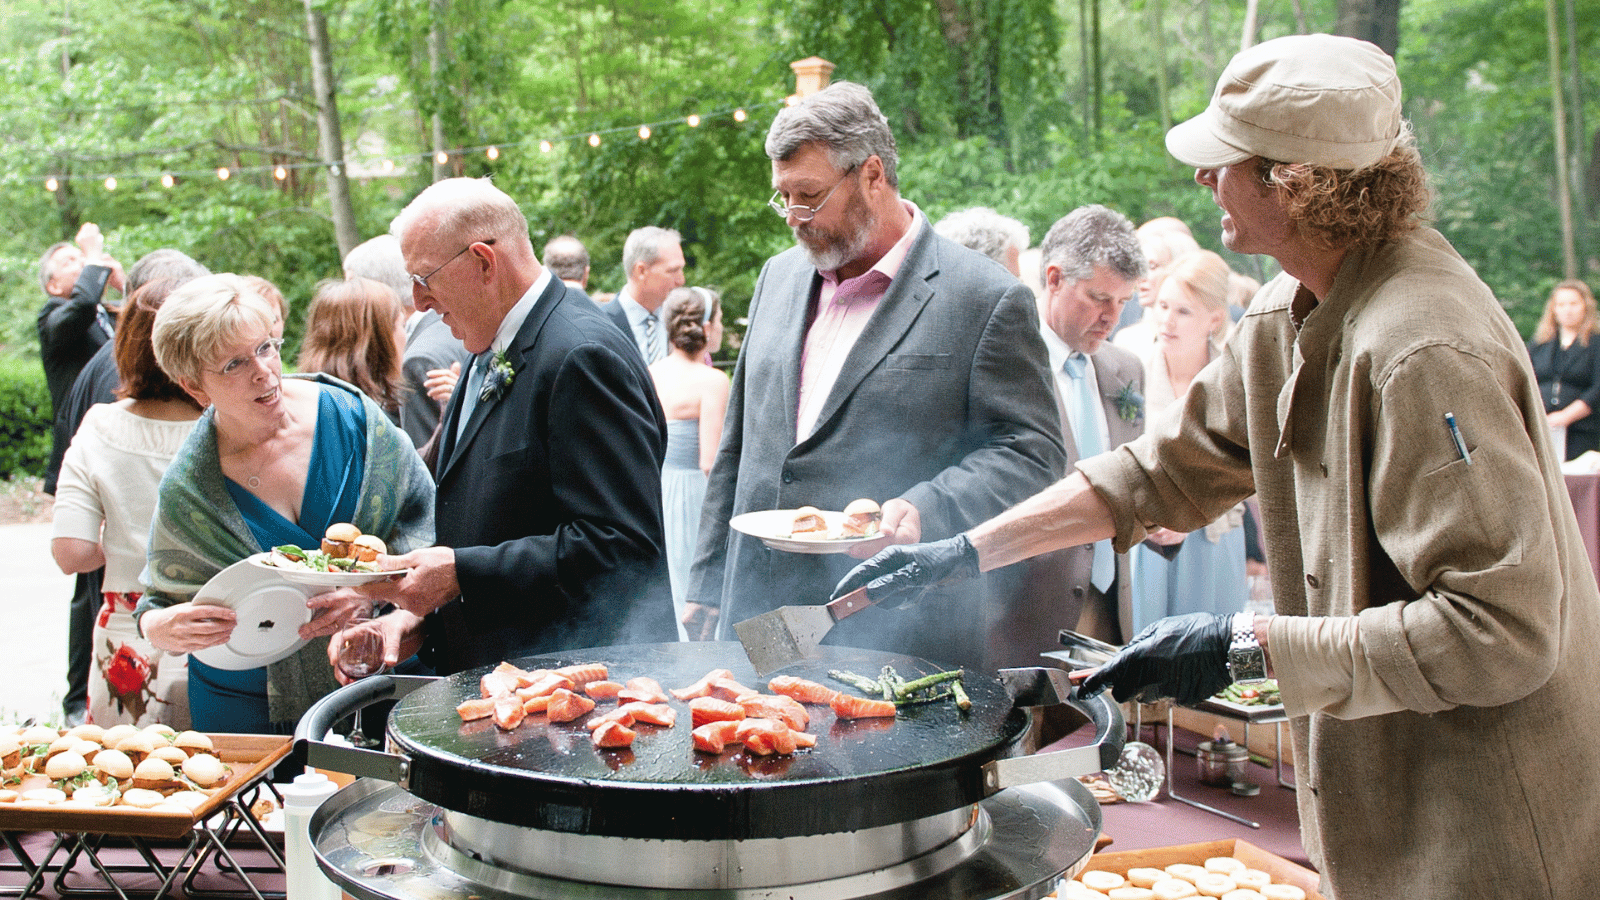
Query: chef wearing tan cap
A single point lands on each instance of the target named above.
(1437, 616)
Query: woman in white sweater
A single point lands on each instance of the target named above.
(105, 500)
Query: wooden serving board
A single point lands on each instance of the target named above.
(249, 755)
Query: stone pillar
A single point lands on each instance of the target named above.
(810, 75)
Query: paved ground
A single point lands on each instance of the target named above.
(33, 625)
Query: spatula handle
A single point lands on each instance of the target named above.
(849, 604)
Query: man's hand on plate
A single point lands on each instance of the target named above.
(901, 524)
(904, 572)
(430, 584)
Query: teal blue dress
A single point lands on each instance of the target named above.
(236, 701)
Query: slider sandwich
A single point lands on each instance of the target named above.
(862, 518)
(808, 520)
(339, 539)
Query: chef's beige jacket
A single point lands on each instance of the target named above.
(1437, 643)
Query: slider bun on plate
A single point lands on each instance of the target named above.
(10, 752)
(862, 518)
(153, 774)
(137, 745)
(89, 732)
(205, 770)
(337, 539)
(173, 756)
(113, 736)
(114, 764)
(64, 765)
(367, 547)
(808, 520)
(192, 742)
(166, 732)
(93, 794)
(140, 798)
(39, 734)
(7, 795)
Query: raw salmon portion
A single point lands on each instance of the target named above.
(602, 690)
(651, 713)
(804, 739)
(801, 689)
(475, 708)
(849, 706)
(621, 715)
(565, 706)
(701, 688)
(613, 735)
(536, 704)
(776, 706)
(522, 677)
(497, 684)
(713, 736)
(710, 709)
(728, 689)
(546, 684)
(643, 690)
(508, 712)
(584, 672)
(766, 737)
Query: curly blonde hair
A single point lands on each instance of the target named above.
(1345, 208)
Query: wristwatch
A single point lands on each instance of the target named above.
(1247, 662)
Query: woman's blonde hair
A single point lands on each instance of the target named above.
(200, 318)
(1547, 329)
(1203, 278)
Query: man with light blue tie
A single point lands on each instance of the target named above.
(1089, 263)
(652, 257)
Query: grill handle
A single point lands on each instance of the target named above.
(311, 750)
(1109, 735)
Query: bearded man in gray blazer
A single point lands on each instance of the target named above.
(881, 361)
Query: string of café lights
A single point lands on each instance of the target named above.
(492, 152)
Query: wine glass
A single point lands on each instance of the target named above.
(360, 646)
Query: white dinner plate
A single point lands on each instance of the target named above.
(773, 526)
(270, 612)
(321, 579)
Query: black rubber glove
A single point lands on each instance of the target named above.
(904, 571)
(1182, 657)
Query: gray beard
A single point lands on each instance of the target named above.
(836, 250)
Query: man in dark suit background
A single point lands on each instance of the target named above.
(548, 512)
(881, 361)
(652, 258)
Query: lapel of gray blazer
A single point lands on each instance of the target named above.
(908, 293)
(792, 319)
(1114, 378)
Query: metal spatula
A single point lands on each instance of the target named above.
(789, 634)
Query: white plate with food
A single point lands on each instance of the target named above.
(313, 571)
(811, 530)
(269, 613)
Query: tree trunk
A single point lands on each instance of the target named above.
(436, 43)
(1158, 31)
(1377, 21)
(1558, 113)
(1247, 34)
(331, 140)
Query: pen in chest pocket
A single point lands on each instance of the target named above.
(1455, 435)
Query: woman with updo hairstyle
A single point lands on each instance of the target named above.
(355, 331)
(694, 396)
(1203, 571)
(105, 499)
(1566, 361)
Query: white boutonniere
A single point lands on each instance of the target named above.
(497, 380)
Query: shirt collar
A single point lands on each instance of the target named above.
(512, 323)
(890, 263)
(636, 314)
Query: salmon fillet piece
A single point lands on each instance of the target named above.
(584, 673)
(602, 690)
(710, 709)
(801, 689)
(613, 736)
(508, 712)
(767, 737)
(728, 689)
(497, 684)
(701, 688)
(565, 706)
(776, 706)
(642, 690)
(651, 713)
(475, 708)
(713, 736)
(546, 684)
(849, 706)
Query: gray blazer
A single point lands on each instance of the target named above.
(944, 401)
(429, 346)
(1056, 591)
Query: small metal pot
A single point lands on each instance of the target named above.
(1221, 762)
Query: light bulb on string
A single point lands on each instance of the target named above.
(280, 173)
(694, 120)
(739, 115)
(594, 140)
(441, 157)
(644, 132)
(791, 100)
(223, 174)
(544, 147)
(52, 185)
(111, 182)
(167, 180)
(388, 165)
(492, 153)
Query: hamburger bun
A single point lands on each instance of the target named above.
(337, 540)
(153, 774)
(205, 770)
(7, 795)
(192, 742)
(49, 796)
(87, 749)
(113, 736)
(93, 794)
(61, 745)
(862, 518)
(137, 745)
(139, 798)
(167, 806)
(88, 731)
(10, 752)
(173, 756)
(367, 547)
(113, 764)
(166, 732)
(64, 765)
(39, 736)
(808, 520)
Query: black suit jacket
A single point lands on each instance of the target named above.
(552, 499)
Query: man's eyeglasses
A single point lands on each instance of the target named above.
(422, 280)
(806, 213)
(267, 352)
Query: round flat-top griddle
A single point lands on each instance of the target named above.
(861, 774)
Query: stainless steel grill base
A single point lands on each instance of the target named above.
(380, 843)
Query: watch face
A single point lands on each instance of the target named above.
(1247, 664)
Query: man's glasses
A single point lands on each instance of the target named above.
(806, 213)
(422, 280)
(267, 352)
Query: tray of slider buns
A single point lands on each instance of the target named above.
(151, 782)
(1229, 870)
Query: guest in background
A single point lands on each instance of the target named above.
(694, 396)
(568, 258)
(1241, 290)
(652, 259)
(105, 500)
(1001, 238)
(1206, 573)
(1567, 363)
(1165, 241)
(272, 461)
(354, 332)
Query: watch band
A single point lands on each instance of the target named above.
(1247, 662)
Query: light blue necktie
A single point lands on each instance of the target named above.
(469, 401)
(1091, 442)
